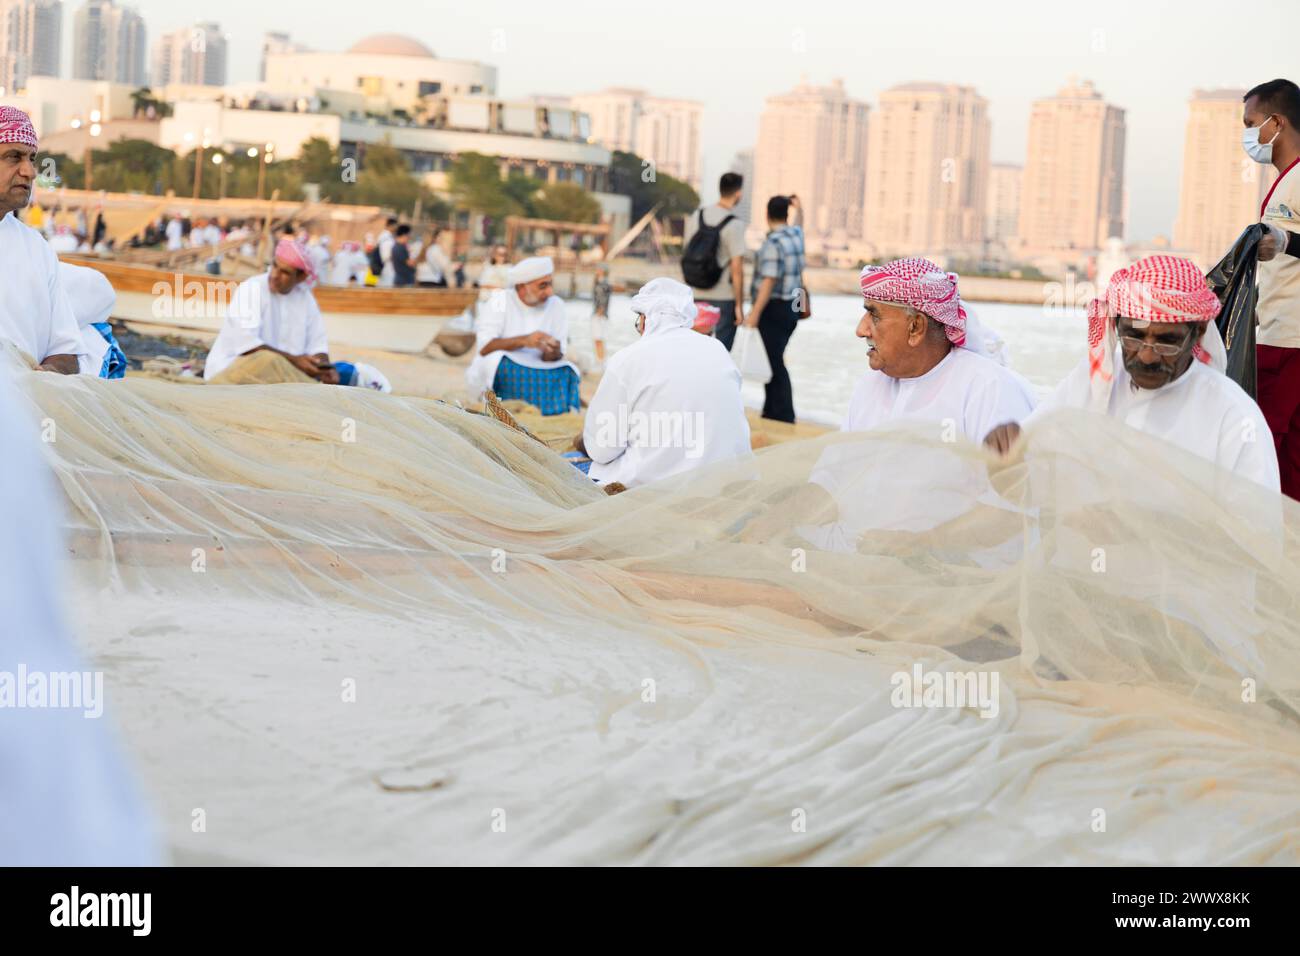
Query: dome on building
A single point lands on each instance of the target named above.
(391, 44)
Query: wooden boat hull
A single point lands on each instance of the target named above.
(397, 320)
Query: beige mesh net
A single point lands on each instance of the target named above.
(355, 627)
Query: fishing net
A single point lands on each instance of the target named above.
(361, 628)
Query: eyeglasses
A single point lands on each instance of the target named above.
(1132, 343)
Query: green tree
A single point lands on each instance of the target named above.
(384, 179)
(318, 162)
(632, 176)
(476, 185)
(565, 201)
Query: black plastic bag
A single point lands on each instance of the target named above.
(1233, 281)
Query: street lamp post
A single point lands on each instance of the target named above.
(198, 164)
(268, 156)
(218, 160)
(93, 129)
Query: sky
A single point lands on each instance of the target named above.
(1146, 57)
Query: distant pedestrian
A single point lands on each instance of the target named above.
(400, 258)
(778, 294)
(435, 265)
(600, 290)
(713, 263)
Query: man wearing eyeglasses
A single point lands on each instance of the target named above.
(1157, 319)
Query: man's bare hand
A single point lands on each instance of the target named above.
(1002, 438)
(538, 340)
(60, 365)
(740, 314)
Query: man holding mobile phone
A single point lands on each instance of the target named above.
(777, 291)
(273, 329)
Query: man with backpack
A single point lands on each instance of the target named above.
(713, 263)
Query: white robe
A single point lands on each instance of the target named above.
(962, 398)
(667, 403)
(35, 314)
(386, 243)
(1209, 415)
(66, 796)
(320, 258)
(1202, 411)
(346, 266)
(968, 390)
(506, 316)
(92, 299)
(257, 316)
(175, 235)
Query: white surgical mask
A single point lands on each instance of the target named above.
(1259, 152)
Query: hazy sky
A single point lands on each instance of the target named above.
(1146, 57)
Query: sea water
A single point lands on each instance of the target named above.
(826, 358)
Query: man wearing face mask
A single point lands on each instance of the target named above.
(1272, 136)
(1168, 380)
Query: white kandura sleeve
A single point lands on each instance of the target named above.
(317, 339)
(67, 797)
(242, 329)
(601, 428)
(1246, 447)
(557, 322)
(491, 321)
(64, 333)
(996, 403)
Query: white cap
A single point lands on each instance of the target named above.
(530, 270)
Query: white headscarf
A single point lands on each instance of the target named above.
(666, 304)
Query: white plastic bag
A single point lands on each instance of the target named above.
(750, 357)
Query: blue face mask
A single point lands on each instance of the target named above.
(1259, 152)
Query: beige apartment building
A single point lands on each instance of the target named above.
(812, 142)
(1222, 187)
(1072, 193)
(1002, 207)
(927, 170)
(665, 131)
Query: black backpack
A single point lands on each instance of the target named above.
(376, 261)
(700, 266)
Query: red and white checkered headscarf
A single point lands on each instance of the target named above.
(294, 254)
(16, 127)
(1154, 289)
(922, 285)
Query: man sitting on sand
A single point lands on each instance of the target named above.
(35, 314)
(932, 364)
(273, 330)
(1165, 375)
(667, 403)
(520, 343)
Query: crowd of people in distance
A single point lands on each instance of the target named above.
(1155, 359)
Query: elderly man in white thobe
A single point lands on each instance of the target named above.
(522, 335)
(669, 402)
(35, 314)
(1164, 376)
(1156, 363)
(933, 366)
(273, 330)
